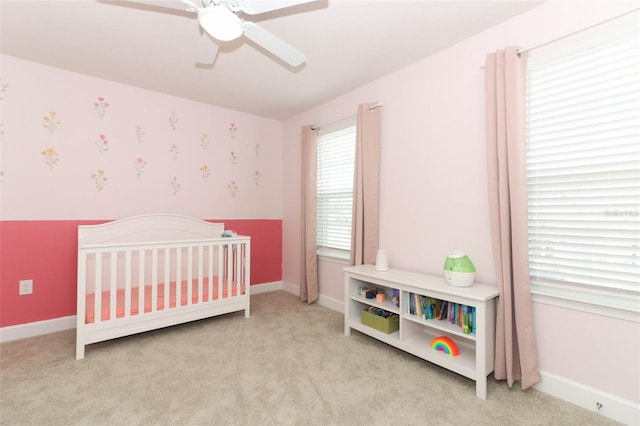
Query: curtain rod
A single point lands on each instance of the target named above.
(528, 49)
(371, 108)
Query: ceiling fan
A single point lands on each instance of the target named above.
(219, 19)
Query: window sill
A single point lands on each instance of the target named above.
(328, 253)
(589, 307)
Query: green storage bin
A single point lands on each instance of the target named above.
(386, 325)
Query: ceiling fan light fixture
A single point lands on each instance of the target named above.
(220, 23)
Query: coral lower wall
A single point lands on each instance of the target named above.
(45, 252)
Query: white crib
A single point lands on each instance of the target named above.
(152, 271)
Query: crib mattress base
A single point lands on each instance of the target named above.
(102, 331)
(121, 310)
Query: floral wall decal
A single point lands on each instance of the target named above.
(205, 171)
(175, 185)
(51, 157)
(1, 175)
(51, 121)
(173, 120)
(99, 179)
(232, 131)
(257, 149)
(102, 144)
(101, 107)
(139, 165)
(233, 188)
(173, 149)
(204, 141)
(256, 177)
(134, 147)
(139, 133)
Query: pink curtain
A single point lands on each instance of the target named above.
(309, 268)
(515, 358)
(364, 234)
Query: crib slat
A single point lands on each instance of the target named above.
(221, 272)
(247, 273)
(189, 274)
(178, 276)
(97, 296)
(238, 282)
(200, 295)
(241, 269)
(141, 266)
(127, 284)
(246, 268)
(210, 275)
(113, 287)
(167, 278)
(154, 280)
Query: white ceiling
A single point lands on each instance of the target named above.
(347, 43)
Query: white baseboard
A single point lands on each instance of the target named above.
(291, 288)
(327, 302)
(266, 287)
(32, 329)
(38, 328)
(611, 406)
(331, 303)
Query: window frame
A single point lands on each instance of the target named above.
(599, 301)
(349, 125)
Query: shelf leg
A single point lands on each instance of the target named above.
(481, 387)
(481, 352)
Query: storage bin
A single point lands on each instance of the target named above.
(386, 325)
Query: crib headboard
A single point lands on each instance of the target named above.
(148, 228)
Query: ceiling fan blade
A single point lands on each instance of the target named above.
(184, 5)
(207, 50)
(255, 7)
(273, 44)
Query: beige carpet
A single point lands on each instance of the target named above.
(289, 364)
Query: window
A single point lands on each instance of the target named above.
(336, 160)
(583, 176)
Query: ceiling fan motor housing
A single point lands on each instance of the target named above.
(220, 23)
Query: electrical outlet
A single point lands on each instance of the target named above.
(25, 287)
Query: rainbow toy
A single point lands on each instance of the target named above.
(446, 345)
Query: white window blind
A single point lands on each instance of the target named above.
(336, 160)
(583, 175)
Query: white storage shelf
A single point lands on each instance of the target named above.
(415, 333)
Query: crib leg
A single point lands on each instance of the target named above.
(79, 351)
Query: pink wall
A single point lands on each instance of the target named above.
(76, 149)
(433, 186)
